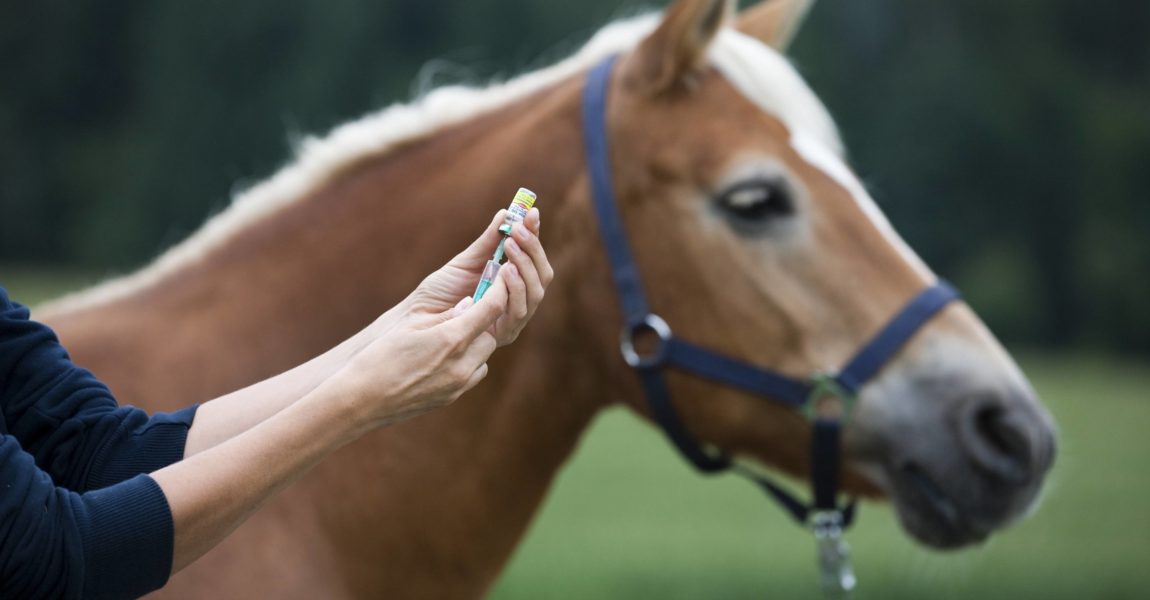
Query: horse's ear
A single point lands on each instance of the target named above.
(679, 45)
(774, 22)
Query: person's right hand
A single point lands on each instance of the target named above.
(527, 284)
(421, 362)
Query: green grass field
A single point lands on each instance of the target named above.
(628, 519)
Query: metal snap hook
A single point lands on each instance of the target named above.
(652, 322)
(836, 574)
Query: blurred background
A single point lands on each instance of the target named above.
(1008, 140)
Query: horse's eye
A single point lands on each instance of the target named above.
(757, 201)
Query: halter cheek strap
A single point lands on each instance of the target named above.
(823, 515)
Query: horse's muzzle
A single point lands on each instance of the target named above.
(978, 475)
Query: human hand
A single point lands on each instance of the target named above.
(418, 362)
(423, 360)
(527, 272)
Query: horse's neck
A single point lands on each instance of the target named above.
(325, 265)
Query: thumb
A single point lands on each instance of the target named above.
(480, 250)
(473, 320)
(460, 307)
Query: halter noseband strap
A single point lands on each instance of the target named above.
(674, 352)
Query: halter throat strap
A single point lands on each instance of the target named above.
(701, 362)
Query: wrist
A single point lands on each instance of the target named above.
(345, 401)
(384, 323)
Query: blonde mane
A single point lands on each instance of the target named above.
(759, 72)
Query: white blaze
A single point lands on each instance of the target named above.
(828, 162)
(765, 78)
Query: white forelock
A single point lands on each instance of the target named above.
(766, 78)
(759, 72)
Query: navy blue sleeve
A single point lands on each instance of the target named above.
(68, 420)
(54, 543)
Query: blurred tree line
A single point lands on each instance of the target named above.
(1008, 140)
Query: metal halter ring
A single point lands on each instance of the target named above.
(825, 386)
(654, 323)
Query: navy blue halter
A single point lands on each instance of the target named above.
(674, 352)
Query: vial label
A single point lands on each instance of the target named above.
(520, 205)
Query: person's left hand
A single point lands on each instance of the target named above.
(530, 274)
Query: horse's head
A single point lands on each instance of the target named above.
(755, 238)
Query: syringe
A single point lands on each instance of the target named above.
(520, 205)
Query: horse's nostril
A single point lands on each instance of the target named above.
(997, 439)
(1002, 436)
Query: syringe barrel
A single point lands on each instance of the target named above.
(489, 273)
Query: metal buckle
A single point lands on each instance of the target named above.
(836, 574)
(654, 323)
(825, 386)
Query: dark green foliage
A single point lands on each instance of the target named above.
(1008, 140)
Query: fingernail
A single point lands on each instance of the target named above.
(514, 271)
(462, 306)
(511, 247)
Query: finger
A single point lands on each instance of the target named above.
(474, 380)
(533, 221)
(525, 268)
(517, 301)
(482, 314)
(480, 350)
(480, 250)
(461, 306)
(476, 356)
(529, 243)
(453, 312)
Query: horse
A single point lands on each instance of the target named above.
(751, 234)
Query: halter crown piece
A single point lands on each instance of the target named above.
(823, 516)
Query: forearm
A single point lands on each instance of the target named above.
(229, 415)
(211, 493)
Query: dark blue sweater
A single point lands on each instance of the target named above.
(79, 517)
